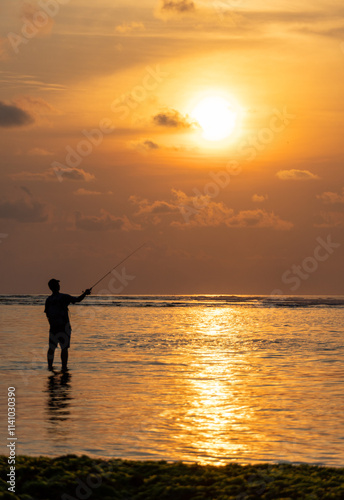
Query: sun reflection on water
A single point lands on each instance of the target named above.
(212, 410)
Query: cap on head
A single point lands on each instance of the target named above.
(53, 284)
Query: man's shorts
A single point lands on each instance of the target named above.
(60, 336)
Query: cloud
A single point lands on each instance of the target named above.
(24, 210)
(53, 174)
(10, 78)
(177, 6)
(74, 174)
(104, 222)
(330, 219)
(172, 119)
(86, 192)
(148, 144)
(145, 145)
(259, 198)
(296, 175)
(216, 214)
(257, 218)
(331, 198)
(13, 116)
(25, 110)
(156, 207)
(201, 211)
(39, 152)
(48, 175)
(129, 27)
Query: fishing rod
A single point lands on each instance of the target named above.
(126, 258)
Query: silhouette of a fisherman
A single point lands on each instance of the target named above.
(56, 309)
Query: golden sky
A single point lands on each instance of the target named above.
(210, 129)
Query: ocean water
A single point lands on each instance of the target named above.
(194, 378)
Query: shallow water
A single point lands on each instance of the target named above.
(212, 383)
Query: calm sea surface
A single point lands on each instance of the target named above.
(201, 379)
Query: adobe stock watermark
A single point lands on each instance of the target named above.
(74, 157)
(130, 101)
(294, 276)
(122, 279)
(93, 138)
(117, 284)
(40, 19)
(248, 150)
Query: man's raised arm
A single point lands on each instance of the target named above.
(82, 296)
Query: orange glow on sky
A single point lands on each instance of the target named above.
(101, 149)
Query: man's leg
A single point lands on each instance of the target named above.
(64, 340)
(64, 358)
(50, 357)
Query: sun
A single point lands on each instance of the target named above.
(216, 117)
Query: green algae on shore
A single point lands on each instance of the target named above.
(80, 478)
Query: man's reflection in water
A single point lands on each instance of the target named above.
(58, 403)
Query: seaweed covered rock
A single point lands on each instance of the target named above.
(73, 478)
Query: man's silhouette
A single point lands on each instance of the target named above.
(56, 309)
